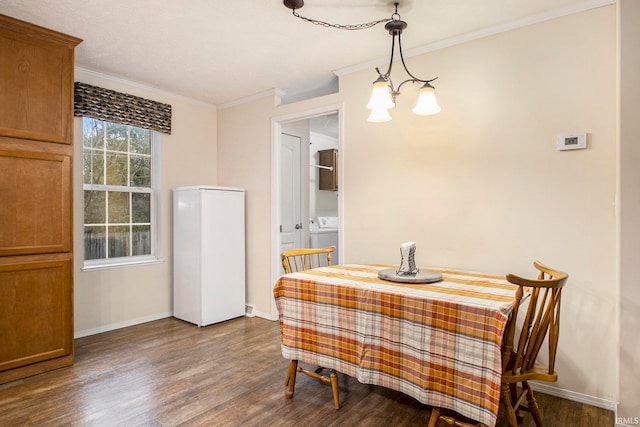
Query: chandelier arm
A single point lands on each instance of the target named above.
(413, 78)
(387, 75)
(340, 26)
(407, 81)
(394, 92)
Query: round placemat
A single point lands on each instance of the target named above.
(422, 276)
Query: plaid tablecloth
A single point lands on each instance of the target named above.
(439, 342)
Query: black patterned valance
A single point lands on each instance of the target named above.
(117, 107)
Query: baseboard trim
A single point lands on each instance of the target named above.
(574, 396)
(264, 315)
(119, 325)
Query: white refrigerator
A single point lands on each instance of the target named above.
(208, 254)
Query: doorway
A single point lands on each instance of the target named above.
(292, 197)
(302, 214)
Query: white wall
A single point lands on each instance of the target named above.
(244, 153)
(111, 298)
(479, 186)
(629, 158)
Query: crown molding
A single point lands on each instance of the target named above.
(277, 93)
(479, 34)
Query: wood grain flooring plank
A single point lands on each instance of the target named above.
(170, 373)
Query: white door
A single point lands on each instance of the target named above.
(290, 193)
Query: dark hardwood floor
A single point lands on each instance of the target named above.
(172, 373)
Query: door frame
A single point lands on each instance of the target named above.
(276, 130)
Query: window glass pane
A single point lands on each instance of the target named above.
(140, 207)
(92, 133)
(116, 137)
(118, 241)
(97, 167)
(118, 207)
(93, 167)
(140, 141)
(95, 239)
(140, 171)
(117, 169)
(86, 170)
(141, 240)
(95, 207)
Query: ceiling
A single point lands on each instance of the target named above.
(220, 51)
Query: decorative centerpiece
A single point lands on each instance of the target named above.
(408, 272)
(407, 259)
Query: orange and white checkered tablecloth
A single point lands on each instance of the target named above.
(437, 342)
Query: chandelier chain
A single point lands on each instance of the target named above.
(340, 26)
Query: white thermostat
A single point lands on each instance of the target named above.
(571, 141)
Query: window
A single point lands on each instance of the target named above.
(119, 199)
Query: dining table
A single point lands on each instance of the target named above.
(438, 342)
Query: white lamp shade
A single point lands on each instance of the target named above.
(380, 96)
(379, 115)
(427, 103)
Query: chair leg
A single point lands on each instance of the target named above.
(508, 405)
(452, 420)
(514, 398)
(291, 378)
(435, 416)
(334, 388)
(533, 404)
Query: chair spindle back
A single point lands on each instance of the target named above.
(542, 317)
(304, 259)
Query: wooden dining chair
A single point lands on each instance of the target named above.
(295, 260)
(519, 358)
(306, 258)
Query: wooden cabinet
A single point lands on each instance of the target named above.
(36, 202)
(36, 151)
(328, 178)
(36, 315)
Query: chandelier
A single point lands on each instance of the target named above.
(384, 94)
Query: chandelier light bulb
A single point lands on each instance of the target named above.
(380, 96)
(427, 103)
(379, 115)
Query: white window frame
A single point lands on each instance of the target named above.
(95, 264)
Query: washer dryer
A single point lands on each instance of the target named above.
(325, 233)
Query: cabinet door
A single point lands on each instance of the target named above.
(35, 309)
(35, 82)
(328, 178)
(35, 212)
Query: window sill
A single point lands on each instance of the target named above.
(120, 264)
